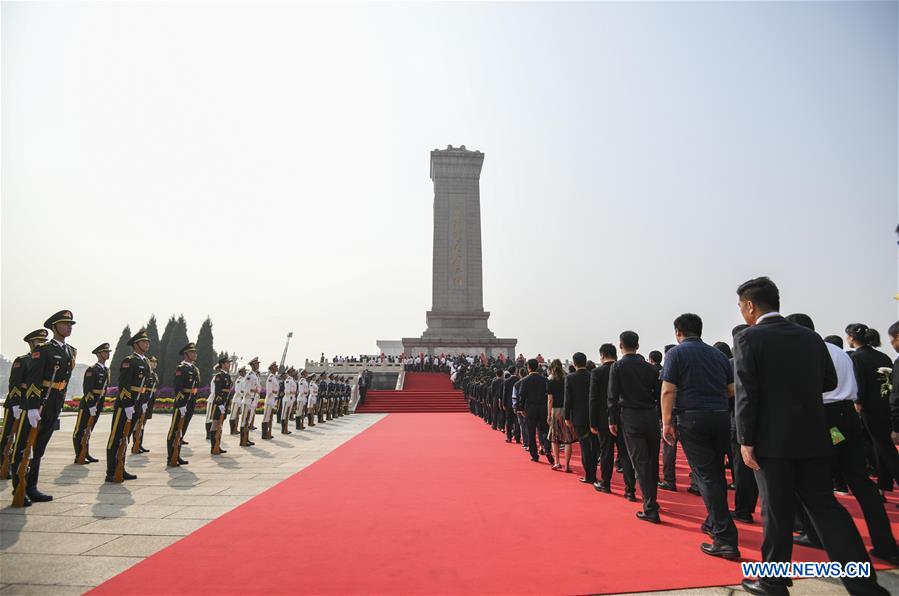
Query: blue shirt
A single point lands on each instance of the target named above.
(701, 373)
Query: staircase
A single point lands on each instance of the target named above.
(422, 392)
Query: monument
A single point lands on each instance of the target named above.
(457, 321)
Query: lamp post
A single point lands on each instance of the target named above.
(284, 355)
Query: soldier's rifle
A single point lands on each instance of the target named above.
(10, 441)
(18, 499)
(141, 422)
(176, 445)
(119, 475)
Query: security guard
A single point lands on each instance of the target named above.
(272, 388)
(13, 404)
(222, 383)
(134, 375)
(47, 377)
(145, 412)
(187, 379)
(95, 380)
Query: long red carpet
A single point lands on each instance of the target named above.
(440, 504)
(422, 392)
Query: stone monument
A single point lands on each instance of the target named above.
(457, 321)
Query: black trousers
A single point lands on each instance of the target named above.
(849, 461)
(537, 428)
(606, 453)
(669, 460)
(878, 424)
(642, 437)
(589, 451)
(116, 436)
(746, 491)
(512, 428)
(780, 482)
(705, 436)
(191, 404)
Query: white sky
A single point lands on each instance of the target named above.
(267, 165)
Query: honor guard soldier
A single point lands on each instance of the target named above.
(290, 397)
(302, 400)
(312, 406)
(322, 398)
(187, 379)
(134, 374)
(47, 376)
(252, 387)
(332, 396)
(221, 381)
(236, 402)
(147, 402)
(12, 407)
(96, 378)
(272, 387)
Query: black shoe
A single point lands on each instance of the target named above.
(706, 530)
(535, 459)
(720, 550)
(841, 489)
(91, 459)
(742, 517)
(37, 496)
(222, 450)
(631, 496)
(550, 459)
(109, 478)
(731, 486)
(183, 442)
(128, 476)
(619, 469)
(763, 588)
(601, 486)
(585, 480)
(250, 443)
(142, 450)
(182, 462)
(652, 518)
(693, 490)
(892, 558)
(804, 540)
(664, 485)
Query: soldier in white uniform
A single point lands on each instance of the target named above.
(290, 397)
(252, 387)
(236, 404)
(313, 404)
(209, 400)
(302, 400)
(272, 388)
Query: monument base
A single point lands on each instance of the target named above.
(435, 346)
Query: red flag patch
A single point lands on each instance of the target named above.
(126, 364)
(35, 354)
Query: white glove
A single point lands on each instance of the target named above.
(34, 416)
(129, 412)
(92, 410)
(222, 409)
(16, 412)
(183, 410)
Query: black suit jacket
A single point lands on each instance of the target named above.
(599, 396)
(781, 371)
(577, 398)
(496, 390)
(508, 385)
(532, 395)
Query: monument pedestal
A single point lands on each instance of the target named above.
(435, 346)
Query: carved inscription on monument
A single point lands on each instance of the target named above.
(456, 277)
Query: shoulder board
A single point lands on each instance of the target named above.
(126, 363)
(74, 351)
(89, 373)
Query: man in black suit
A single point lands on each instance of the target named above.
(532, 401)
(577, 415)
(633, 394)
(512, 427)
(782, 370)
(496, 398)
(599, 425)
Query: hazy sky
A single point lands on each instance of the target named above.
(267, 165)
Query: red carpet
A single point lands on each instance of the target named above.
(422, 392)
(439, 504)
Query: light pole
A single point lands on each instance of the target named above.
(284, 355)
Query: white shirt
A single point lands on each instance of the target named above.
(847, 386)
(767, 315)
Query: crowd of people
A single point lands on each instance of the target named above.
(39, 379)
(792, 417)
(362, 359)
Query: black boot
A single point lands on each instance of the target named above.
(34, 470)
(234, 427)
(208, 431)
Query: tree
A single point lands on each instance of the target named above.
(161, 370)
(171, 357)
(122, 349)
(206, 358)
(153, 333)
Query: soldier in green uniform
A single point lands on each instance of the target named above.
(134, 376)
(144, 411)
(187, 379)
(47, 377)
(12, 407)
(94, 394)
(222, 383)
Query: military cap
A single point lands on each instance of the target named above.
(152, 359)
(190, 347)
(63, 316)
(255, 360)
(104, 347)
(224, 359)
(273, 365)
(139, 336)
(37, 335)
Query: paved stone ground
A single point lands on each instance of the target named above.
(92, 531)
